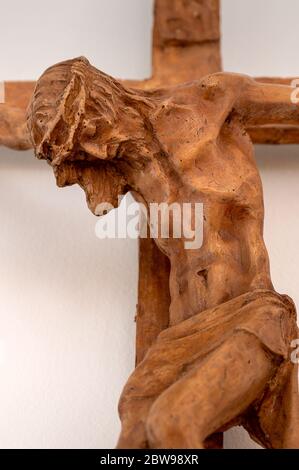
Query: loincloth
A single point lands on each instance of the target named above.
(270, 317)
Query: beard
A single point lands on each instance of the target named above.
(100, 181)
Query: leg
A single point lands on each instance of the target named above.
(214, 393)
(141, 391)
(133, 434)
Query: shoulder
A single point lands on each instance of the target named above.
(219, 84)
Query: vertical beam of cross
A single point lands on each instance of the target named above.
(186, 46)
(186, 40)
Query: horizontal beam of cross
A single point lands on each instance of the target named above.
(17, 96)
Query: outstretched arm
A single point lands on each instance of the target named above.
(258, 103)
(267, 103)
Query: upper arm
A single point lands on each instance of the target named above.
(223, 91)
(268, 103)
(257, 103)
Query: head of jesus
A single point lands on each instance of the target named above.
(82, 122)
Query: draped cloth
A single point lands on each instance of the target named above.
(271, 318)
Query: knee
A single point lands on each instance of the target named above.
(168, 427)
(160, 426)
(172, 425)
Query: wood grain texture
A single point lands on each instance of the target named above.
(153, 296)
(225, 357)
(13, 128)
(18, 94)
(182, 23)
(274, 135)
(186, 40)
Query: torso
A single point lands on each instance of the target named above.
(206, 156)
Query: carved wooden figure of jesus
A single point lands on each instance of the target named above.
(225, 358)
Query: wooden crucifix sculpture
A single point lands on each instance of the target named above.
(224, 357)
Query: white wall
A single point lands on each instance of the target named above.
(67, 299)
(259, 39)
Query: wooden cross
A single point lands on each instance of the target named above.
(186, 46)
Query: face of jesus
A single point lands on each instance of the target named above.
(78, 145)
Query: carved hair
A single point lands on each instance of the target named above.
(74, 102)
(65, 95)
